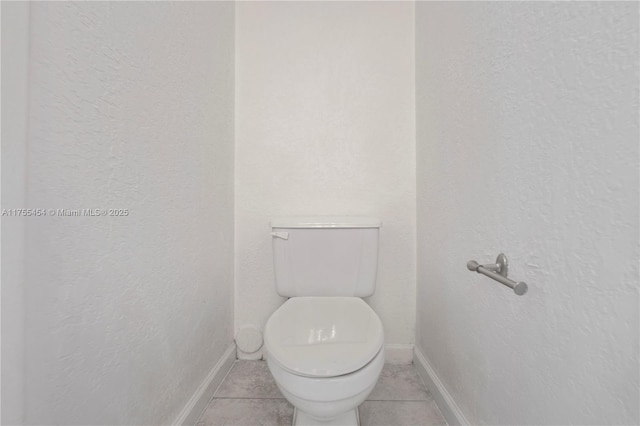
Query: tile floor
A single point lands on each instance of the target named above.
(249, 396)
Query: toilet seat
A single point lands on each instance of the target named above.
(323, 336)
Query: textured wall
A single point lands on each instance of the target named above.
(15, 53)
(527, 143)
(325, 125)
(131, 107)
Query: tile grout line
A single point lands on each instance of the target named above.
(249, 397)
(398, 400)
(278, 398)
(224, 379)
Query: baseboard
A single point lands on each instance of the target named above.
(198, 402)
(447, 405)
(398, 353)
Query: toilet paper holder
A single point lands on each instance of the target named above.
(498, 271)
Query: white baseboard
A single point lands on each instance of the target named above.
(198, 402)
(398, 353)
(447, 405)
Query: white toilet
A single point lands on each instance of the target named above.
(325, 344)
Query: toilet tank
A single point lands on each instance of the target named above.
(325, 256)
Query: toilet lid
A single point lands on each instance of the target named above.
(323, 336)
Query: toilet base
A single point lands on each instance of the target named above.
(350, 418)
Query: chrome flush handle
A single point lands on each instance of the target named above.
(283, 235)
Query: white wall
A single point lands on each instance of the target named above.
(325, 125)
(15, 52)
(131, 107)
(527, 143)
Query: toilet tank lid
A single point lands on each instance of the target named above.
(326, 222)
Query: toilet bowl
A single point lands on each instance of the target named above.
(325, 354)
